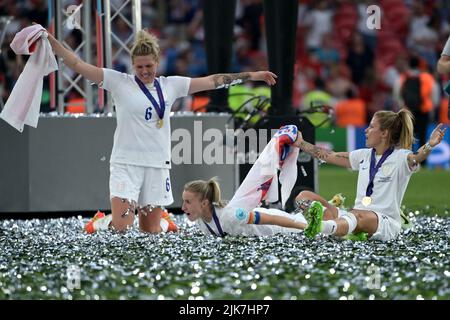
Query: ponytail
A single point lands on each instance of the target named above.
(400, 126)
(406, 139)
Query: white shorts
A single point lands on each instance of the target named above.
(388, 228)
(144, 185)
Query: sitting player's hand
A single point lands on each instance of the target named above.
(437, 135)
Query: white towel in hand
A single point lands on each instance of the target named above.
(23, 104)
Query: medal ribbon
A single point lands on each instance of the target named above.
(374, 168)
(217, 222)
(159, 110)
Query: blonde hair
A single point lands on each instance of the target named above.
(400, 126)
(209, 190)
(145, 44)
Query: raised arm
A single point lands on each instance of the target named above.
(224, 80)
(71, 60)
(337, 158)
(436, 137)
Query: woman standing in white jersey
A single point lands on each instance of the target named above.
(385, 168)
(140, 159)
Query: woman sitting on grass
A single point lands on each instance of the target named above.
(385, 168)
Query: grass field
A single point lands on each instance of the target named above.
(36, 256)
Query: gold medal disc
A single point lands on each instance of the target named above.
(366, 201)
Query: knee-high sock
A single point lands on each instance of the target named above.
(103, 223)
(329, 227)
(164, 225)
(351, 221)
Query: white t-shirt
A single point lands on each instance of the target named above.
(320, 22)
(138, 141)
(233, 221)
(390, 181)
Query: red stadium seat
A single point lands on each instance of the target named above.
(398, 18)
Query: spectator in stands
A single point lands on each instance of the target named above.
(419, 92)
(319, 22)
(339, 82)
(327, 54)
(424, 40)
(359, 59)
(317, 97)
(185, 15)
(351, 112)
(369, 35)
(249, 18)
(393, 73)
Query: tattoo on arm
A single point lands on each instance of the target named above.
(225, 80)
(412, 162)
(315, 151)
(337, 158)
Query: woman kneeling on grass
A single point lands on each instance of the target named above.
(385, 168)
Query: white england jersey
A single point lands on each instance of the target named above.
(233, 221)
(137, 140)
(390, 181)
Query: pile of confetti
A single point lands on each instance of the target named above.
(55, 259)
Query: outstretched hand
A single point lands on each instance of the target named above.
(437, 135)
(266, 76)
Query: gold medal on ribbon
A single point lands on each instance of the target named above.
(158, 108)
(366, 201)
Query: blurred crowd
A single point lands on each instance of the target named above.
(340, 62)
